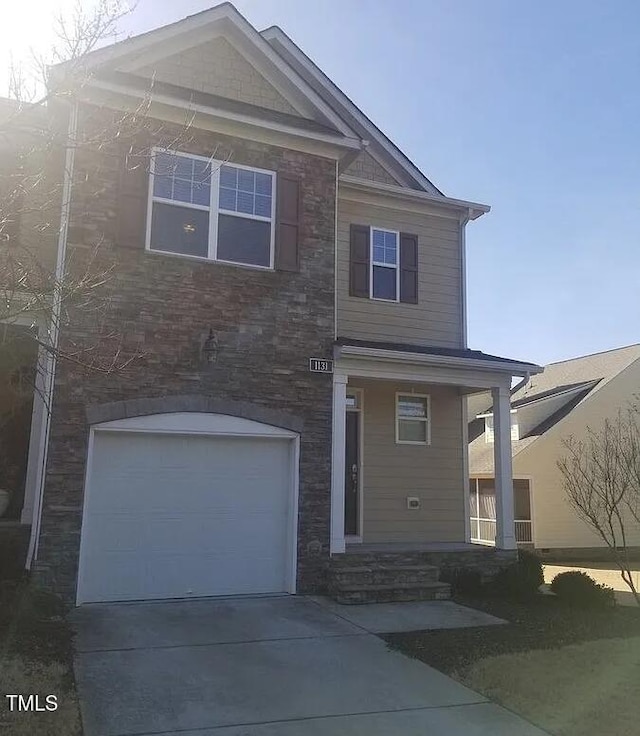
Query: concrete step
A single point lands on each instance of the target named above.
(391, 593)
(384, 574)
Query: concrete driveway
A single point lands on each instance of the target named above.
(262, 667)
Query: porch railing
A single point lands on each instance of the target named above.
(484, 530)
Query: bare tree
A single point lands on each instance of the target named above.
(35, 292)
(75, 34)
(36, 155)
(61, 304)
(601, 477)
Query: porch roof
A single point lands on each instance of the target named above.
(461, 366)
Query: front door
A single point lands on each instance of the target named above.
(352, 466)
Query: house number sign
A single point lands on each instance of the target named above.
(318, 365)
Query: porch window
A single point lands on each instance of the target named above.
(385, 271)
(413, 419)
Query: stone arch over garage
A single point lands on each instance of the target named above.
(99, 413)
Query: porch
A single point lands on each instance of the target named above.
(401, 507)
(482, 505)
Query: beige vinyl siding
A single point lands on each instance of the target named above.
(391, 472)
(437, 318)
(556, 525)
(217, 68)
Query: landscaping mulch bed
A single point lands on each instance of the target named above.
(32, 624)
(36, 659)
(540, 623)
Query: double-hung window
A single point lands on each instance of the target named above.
(413, 419)
(209, 209)
(385, 271)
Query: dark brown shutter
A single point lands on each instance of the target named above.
(288, 223)
(359, 255)
(133, 190)
(408, 268)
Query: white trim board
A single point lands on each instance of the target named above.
(195, 423)
(352, 188)
(116, 95)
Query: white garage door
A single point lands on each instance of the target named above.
(176, 516)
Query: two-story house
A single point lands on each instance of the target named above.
(290, 290)
(570, 399)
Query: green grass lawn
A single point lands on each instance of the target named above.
(572, 672)
(35, 658)
(586, 689)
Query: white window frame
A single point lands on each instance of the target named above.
(426, 419)
(489, 430)
(213, 209)
(373, 263)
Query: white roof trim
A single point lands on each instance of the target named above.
(195, 26)
(497, 366)
(154, 97)
(474, 209)
(277, 34)
(195, 423)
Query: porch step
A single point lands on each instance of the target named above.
(384, 574)
(392, 593)
(385, 577)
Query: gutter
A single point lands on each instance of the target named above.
(54, 334)
(472, 209)
(448, 361)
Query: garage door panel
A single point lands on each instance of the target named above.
(136, 471)
(178, 516)
(179, 533)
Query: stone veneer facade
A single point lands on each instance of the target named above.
(160, 308)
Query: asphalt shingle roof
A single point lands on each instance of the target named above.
(578, 378)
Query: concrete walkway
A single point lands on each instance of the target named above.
(262, 667)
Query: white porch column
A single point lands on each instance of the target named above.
(337, 545)
(505, 526)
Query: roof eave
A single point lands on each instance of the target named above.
(498, 366)
(473, 210)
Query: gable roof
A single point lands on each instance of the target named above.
(134, 52)
(283, 65)
(563, 385)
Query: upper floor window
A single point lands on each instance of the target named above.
(208, 209)
(383, 264)
(385, 271)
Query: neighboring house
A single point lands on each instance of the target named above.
(257, 220)
(565, 400)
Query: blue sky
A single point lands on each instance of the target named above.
(531, 107)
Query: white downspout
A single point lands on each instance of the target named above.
(463, 271)
(54, 334)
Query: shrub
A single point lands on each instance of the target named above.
(576, 588)
(521, 579)
(464, 581)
